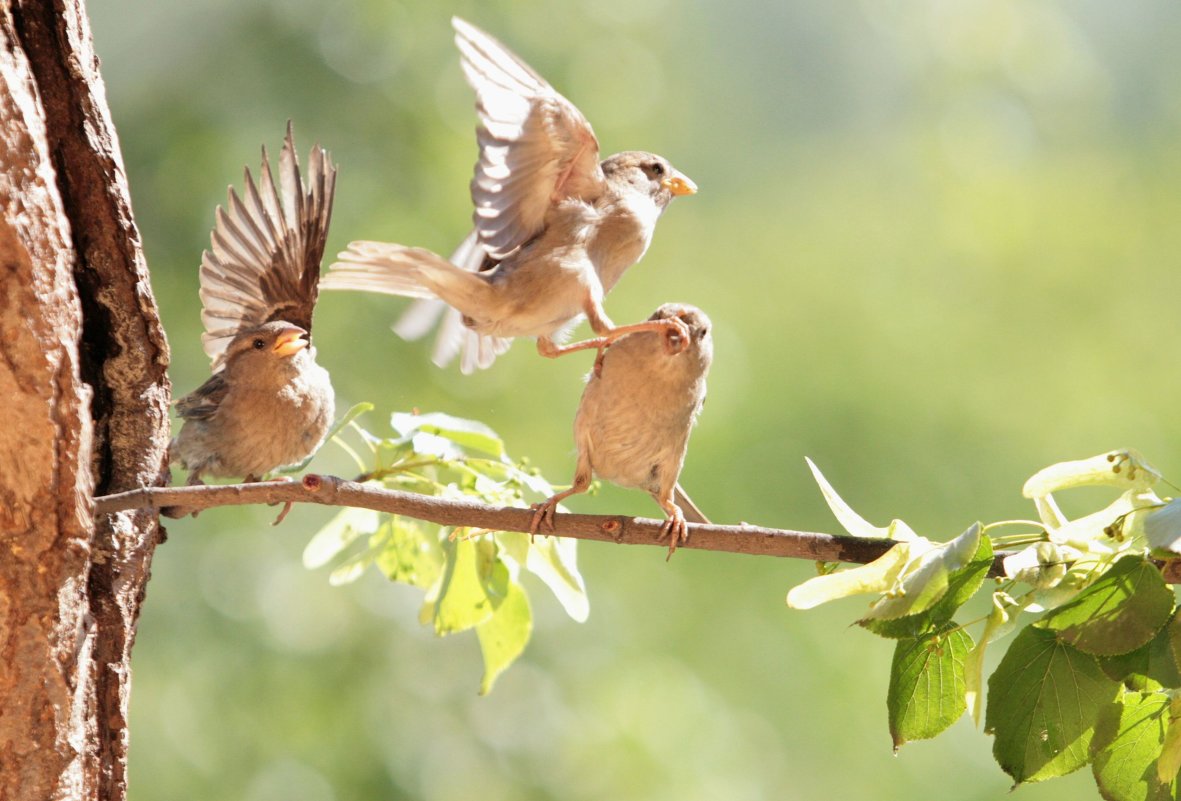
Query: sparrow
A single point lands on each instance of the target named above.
(555, 227)
(267, 404)
(633, 422)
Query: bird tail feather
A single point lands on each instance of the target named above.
(476, 351)
(379, 267)
(692, 513)
(444, 291)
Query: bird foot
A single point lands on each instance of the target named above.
(275, 480)
(177, 512)
(676, 529)
(543, 514)
(676, 336)
(551, 350)
(283, 513)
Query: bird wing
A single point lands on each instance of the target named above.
(536, 147)
(266, 246)
(202, 403)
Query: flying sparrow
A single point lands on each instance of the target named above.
(555, 228)
(633, 423)
(267, 404)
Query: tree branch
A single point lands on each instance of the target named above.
(333, 491)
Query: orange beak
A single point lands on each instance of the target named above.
(679, 185)
(291, 342)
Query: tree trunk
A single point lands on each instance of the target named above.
(82, 377)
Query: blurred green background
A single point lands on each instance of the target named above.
(939, 241)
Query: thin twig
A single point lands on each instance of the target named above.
(333, 491)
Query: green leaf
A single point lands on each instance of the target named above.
(469, 582)
(1174, 631)
(1149, 667)
(926, 693)
(411, 553)
(554, 561)
(355, 566)
(962, 584)
(1043, 701)
(470, 434)
(1118, 613)
(345, 528)
(472, 586)
(911, 576)
(503, 636)
(1170, 758)
(925, 579)
(355, 411)
(1127, 745)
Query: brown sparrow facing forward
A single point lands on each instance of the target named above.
(268, 404)
(633, 422)
(555, 227)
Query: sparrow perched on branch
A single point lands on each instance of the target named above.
(555, 228)
(633, 422)
(267, 404)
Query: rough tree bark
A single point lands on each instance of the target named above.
(82, 378)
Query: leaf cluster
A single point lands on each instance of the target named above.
(471, 579)
(1094, 679)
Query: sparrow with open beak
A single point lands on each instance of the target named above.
(633, 423)
(267, 404)
(555, 228)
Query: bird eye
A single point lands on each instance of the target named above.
(259, 344)
(657, 169)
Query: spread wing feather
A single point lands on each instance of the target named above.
(266, 247)
(536, 147)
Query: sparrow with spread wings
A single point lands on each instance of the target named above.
(555, 227)
(267, 404)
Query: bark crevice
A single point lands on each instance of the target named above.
(83, 354)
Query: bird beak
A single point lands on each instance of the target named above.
(679, 185)
(291, 342)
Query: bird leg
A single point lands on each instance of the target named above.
(675, 331)
(552, 350)
(177, 512)
(544, 512)
(286, 504)
(675, 527)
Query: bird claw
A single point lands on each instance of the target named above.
(677, 530)
(598, 368)
(676, 337)
(543, 514)
(275, 480)
(283, 514)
